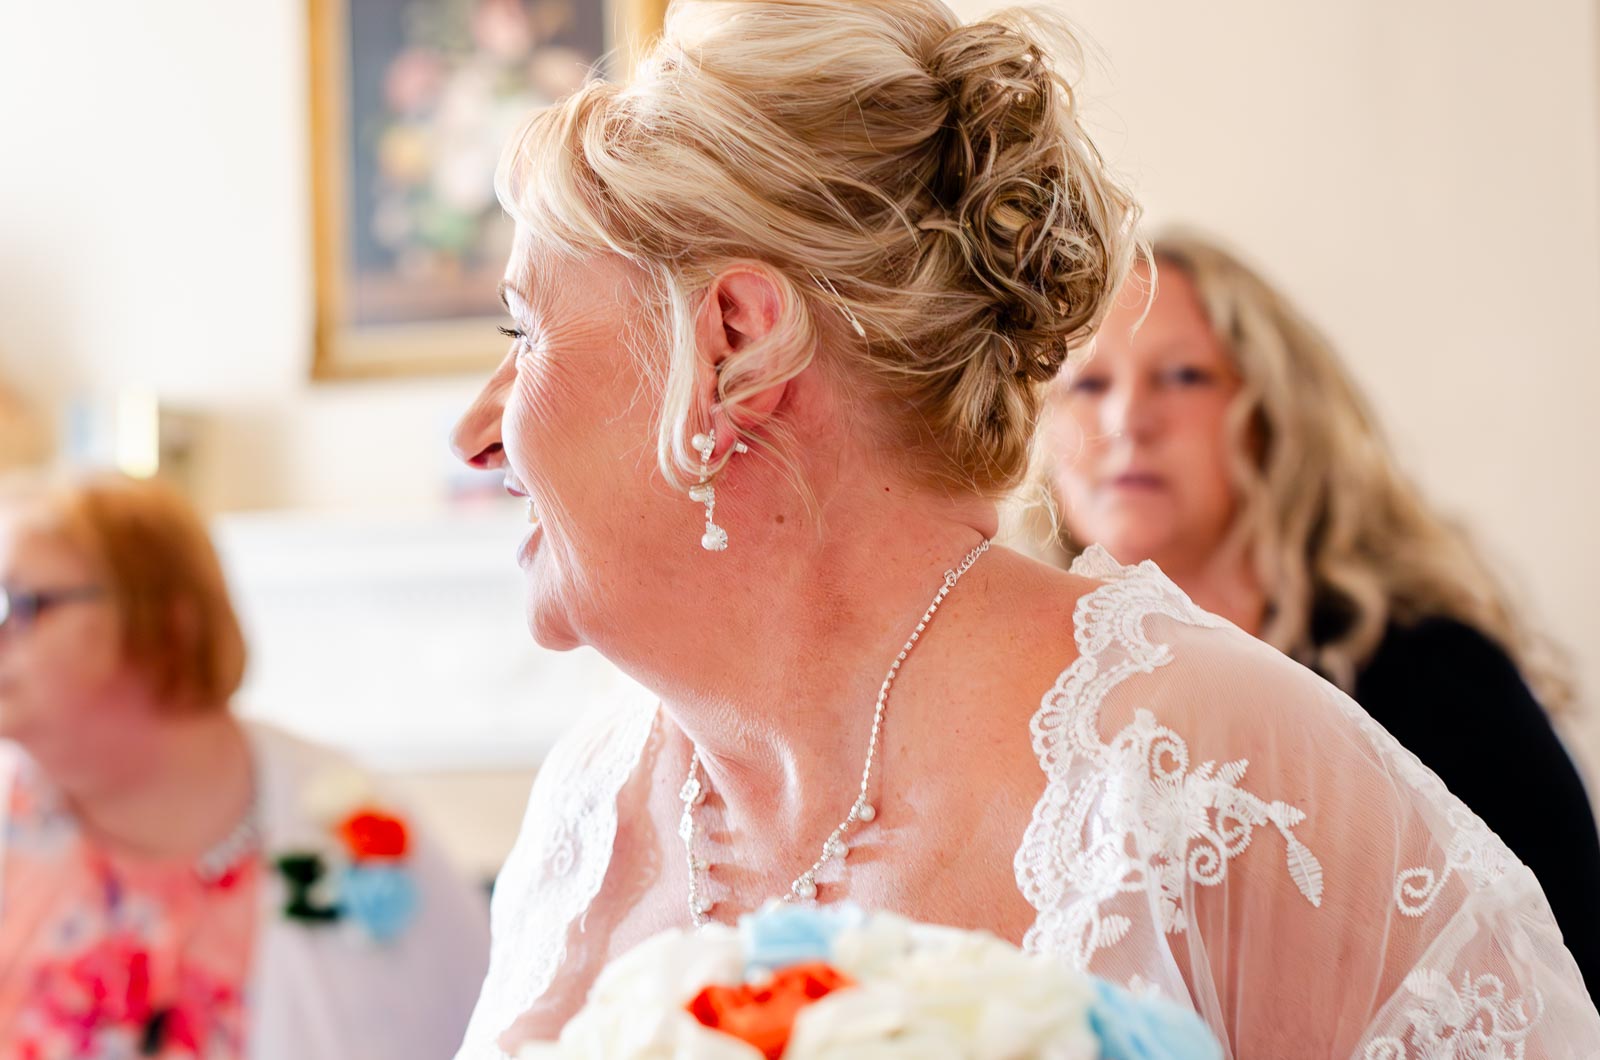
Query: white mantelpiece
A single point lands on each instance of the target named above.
(402, 640)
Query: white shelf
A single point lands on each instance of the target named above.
(402, 640)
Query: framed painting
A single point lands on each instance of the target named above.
(411, 103)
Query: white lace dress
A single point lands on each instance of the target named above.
(1217, 824)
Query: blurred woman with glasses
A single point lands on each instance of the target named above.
(175, 882)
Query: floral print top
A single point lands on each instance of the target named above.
(109, 957)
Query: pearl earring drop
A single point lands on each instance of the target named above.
(715, 538)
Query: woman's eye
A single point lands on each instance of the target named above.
(1191, 375)
(1089, 385)
(512, 333)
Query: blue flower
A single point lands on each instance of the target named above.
(1147, 1028)
(782, 935)
(381, 898)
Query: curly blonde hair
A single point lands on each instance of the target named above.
(921, 191)
(1327, 517)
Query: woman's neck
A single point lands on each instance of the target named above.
(178, 792)
(775, 680)
(1224, 583)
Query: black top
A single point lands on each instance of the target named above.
(1454, 698)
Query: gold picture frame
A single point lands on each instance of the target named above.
(411, 101)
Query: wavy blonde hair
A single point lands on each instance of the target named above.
(1325, 512)
(936, 220)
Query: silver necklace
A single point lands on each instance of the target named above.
(804, 887)
(244, 838)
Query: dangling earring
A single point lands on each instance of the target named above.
(715, 539)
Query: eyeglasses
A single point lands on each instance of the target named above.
(19, 608)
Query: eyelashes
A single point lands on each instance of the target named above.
(511, 333)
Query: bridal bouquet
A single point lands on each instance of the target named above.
(806, 983)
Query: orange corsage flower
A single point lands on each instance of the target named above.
(370, 834)
(764, 1015)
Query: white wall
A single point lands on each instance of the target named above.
(1422, 176)
(154, 204)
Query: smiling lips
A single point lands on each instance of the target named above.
(1136, 480)
(514, 488)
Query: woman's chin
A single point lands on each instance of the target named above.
(541, 604)
(548, 623)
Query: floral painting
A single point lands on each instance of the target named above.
(413, 101)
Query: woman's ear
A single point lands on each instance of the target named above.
(749, 348)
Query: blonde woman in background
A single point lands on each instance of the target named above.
(175, 882)
(782, 310)
(1222, 438)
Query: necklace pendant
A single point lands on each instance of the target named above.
(693, 792)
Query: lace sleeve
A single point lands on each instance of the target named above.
(556, 868)
(1221, 825)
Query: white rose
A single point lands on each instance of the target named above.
(606, 1033)
(936, 992)
(671, 968)
(335, 792)
(922, 991)
(635, 1009)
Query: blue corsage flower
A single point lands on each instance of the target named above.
(781, 935)
(381, 898)
(1147, 1028)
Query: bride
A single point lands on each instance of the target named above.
(782, 311)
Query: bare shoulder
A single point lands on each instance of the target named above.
(1014, 642)
(1027, 617)
(1153, 651)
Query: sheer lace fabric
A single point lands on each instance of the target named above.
(1217, 824)
(556, 868)
(1222, 825)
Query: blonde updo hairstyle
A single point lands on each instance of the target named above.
(939, 224)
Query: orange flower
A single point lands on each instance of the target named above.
(764, 1015)
(370, 834)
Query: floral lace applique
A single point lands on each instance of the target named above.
(1472, 849)
(1473, 1018)
(1141, 820)
(1202, 812)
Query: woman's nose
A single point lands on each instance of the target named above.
(476, 437)
(1129, 411)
